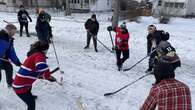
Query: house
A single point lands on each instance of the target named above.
(82, 5)
(174, 7)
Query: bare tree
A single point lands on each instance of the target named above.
(67, 11)
(36, 3)
(115, 14)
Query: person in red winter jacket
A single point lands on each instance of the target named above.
(121, 43)
(33, 68)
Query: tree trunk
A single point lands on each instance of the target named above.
(115, 14)
(67, 11)
(36, 3)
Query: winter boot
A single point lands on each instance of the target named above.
(96, 50)
(119, 67)
(149, 71)
(35, 96)
(86, 47)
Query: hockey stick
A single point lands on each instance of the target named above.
(112, 93)
(62, 72)
(104, 45)
(54, 70)
(9, 22)
(56, 57)
(2, 59)
(136, 63)
(111, 38)
(139, 61)
(101, 42)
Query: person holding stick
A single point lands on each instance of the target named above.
(7, 52)
(33, 68)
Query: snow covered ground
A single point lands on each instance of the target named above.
(88, 75)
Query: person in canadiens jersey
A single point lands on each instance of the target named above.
(33, 68)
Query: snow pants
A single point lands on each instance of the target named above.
(22, 25)
(94, 40)
(120, 60)
(28, 99)
(8, 72)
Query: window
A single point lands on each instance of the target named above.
(176, 5)
(160, 3)
(171, 5)
(87, 1)
(167, 4)
(181, 5)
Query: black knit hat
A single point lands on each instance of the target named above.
(21, 6)
(41, 46)
(93, 16)
(163, 70)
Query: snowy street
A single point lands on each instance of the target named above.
(89, 75)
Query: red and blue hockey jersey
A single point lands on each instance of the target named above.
(33, 68)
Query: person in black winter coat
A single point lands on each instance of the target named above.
(153, 39)
(23, 17)
(43, 28)
(7, 52)
(92, 27)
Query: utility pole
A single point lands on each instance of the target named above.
(67, 11)
(116, 13)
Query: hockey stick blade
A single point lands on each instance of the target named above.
(112, 93)
(108, 94)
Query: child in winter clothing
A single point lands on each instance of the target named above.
(121, 44)
(153, 39)
(7, 52)
(23, 17)
(43, 28)
(92, 27)
(33, 68)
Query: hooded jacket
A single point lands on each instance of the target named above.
(6, 48)
(121, 39)
(33, 68)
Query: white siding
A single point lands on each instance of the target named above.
(170, 11)
(44, 3)
(102, 5)
(191, 7)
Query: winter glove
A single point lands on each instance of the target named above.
(114, 48)
(52, 79)
(109, 28)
